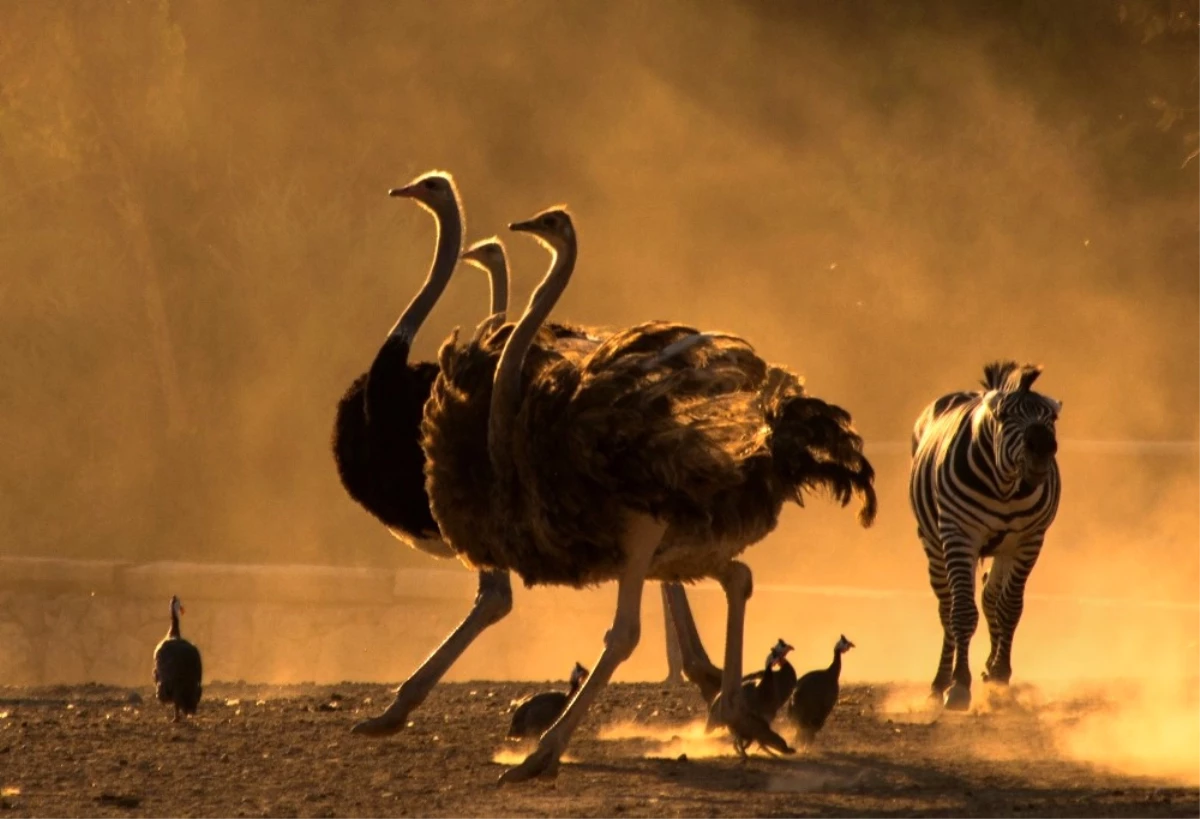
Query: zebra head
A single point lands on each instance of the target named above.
(1023, 422)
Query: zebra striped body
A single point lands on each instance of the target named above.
(984, 484)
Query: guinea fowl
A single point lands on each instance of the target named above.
(663, 454)
(377, 434)
(536, 713)
(815, 695)
(766, 691)
(177, 668)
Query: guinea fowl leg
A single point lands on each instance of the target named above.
(493, 602)
(697, 667)
(745, 725)
(641, 539)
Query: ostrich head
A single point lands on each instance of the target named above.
(176, 606)
(487, 254)
(843, 645)
(552, 228)
(434, 190)
(778, 653)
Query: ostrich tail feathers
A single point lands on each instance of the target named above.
(814, 445)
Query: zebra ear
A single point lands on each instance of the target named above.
(1057, 406)
(1029, 374)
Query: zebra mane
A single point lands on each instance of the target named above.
(1010, 376)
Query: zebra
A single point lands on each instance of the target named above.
(984, 484)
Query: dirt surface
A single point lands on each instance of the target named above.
(272, 751)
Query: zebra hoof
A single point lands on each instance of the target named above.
(958, 698)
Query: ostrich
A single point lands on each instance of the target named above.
(685, 655)
(376, 436)
(375, 441)
(661, 455)
(177, 668)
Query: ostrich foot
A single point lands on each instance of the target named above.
(641, 538)
(542, 762)
(492, 604)
(391, 721)
(958, 698)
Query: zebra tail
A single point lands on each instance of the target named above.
(814, 446)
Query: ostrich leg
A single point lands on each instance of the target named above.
(697, 667)
(493, 602)
(674, 658)
(744, 724)
(641, 539)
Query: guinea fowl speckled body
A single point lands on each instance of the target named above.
(766, 691)
(536, 713)
(178, 670)
(816, 694)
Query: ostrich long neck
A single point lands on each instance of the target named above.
(506, 384)
(449, 246)
(174, 632)
(498, 279)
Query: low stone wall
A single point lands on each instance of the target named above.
(71, 622)
(66, 621)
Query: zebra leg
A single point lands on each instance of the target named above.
(941, 589)
(993, 583)
(1008, 602)
(964, 616)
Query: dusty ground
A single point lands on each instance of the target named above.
(269, 751)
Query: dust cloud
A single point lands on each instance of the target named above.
(199, 257)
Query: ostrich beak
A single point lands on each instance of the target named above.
(407, 191)
(527, 226)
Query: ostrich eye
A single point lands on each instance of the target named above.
(431, 184)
